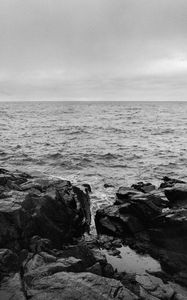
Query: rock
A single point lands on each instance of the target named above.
(95, 269)
(108, 270)
(116, 220)
(154, 287)
(88, 187)
(12, 289)
(143, 213)
(177, 195)
(124, 194)
(144, 187)
(57, 211)
(37, 244)
(73, 286)
(155, 198)
(169, 182)
(99, 256)
(79, 251)
(128, 219)
(107, 185)
(83, 202)
(114, 252)
(179, 297)
(39, 267)
(8, 262)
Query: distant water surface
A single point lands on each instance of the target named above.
(107, 142)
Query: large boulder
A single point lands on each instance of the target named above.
(135, 214)
(117, 220)
(49, 207)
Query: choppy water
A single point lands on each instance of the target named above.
(113, 142)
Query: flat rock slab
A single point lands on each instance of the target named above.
(83, 286)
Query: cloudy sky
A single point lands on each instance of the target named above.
(93, 49)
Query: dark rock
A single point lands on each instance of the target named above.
(144, 187)
(129, 195)
(4, 179)
(107, 185)
(99, 256)
(88, 187)
(37, 244)
(59, 213)
(177, 195)
(108, 270)
(169, 182)
(131, 217)
(117, 220)
(125, 194)
(95, 269)
(9, 262)
(79, 251)
(39, 266)
(83, 204)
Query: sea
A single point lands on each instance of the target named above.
(114, 143)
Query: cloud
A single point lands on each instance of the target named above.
(48, 44)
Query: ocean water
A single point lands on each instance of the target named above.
(107, 142)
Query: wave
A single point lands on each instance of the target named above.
(56, 155)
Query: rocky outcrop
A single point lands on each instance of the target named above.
(132, 212)
(161, 214)
(49, 207)
(44, 254)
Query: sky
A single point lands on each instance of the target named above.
(93, 50)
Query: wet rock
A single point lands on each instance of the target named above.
(116, 220)
(108, 270)
(125, 194)
(99, 256)
(12, 289)
(38, 267)
(88, 187)
(9, 262)
(169, 182)
(95, 269)
(177, 195)
(151, 286)
(144, 187)
(57, 211)
(38, 244)
(107, 185)
(73, 286)
(79, 251)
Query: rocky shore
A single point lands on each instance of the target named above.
(47, 251)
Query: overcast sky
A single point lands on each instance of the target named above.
(96, 49)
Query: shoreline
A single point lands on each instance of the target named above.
(43, 225)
